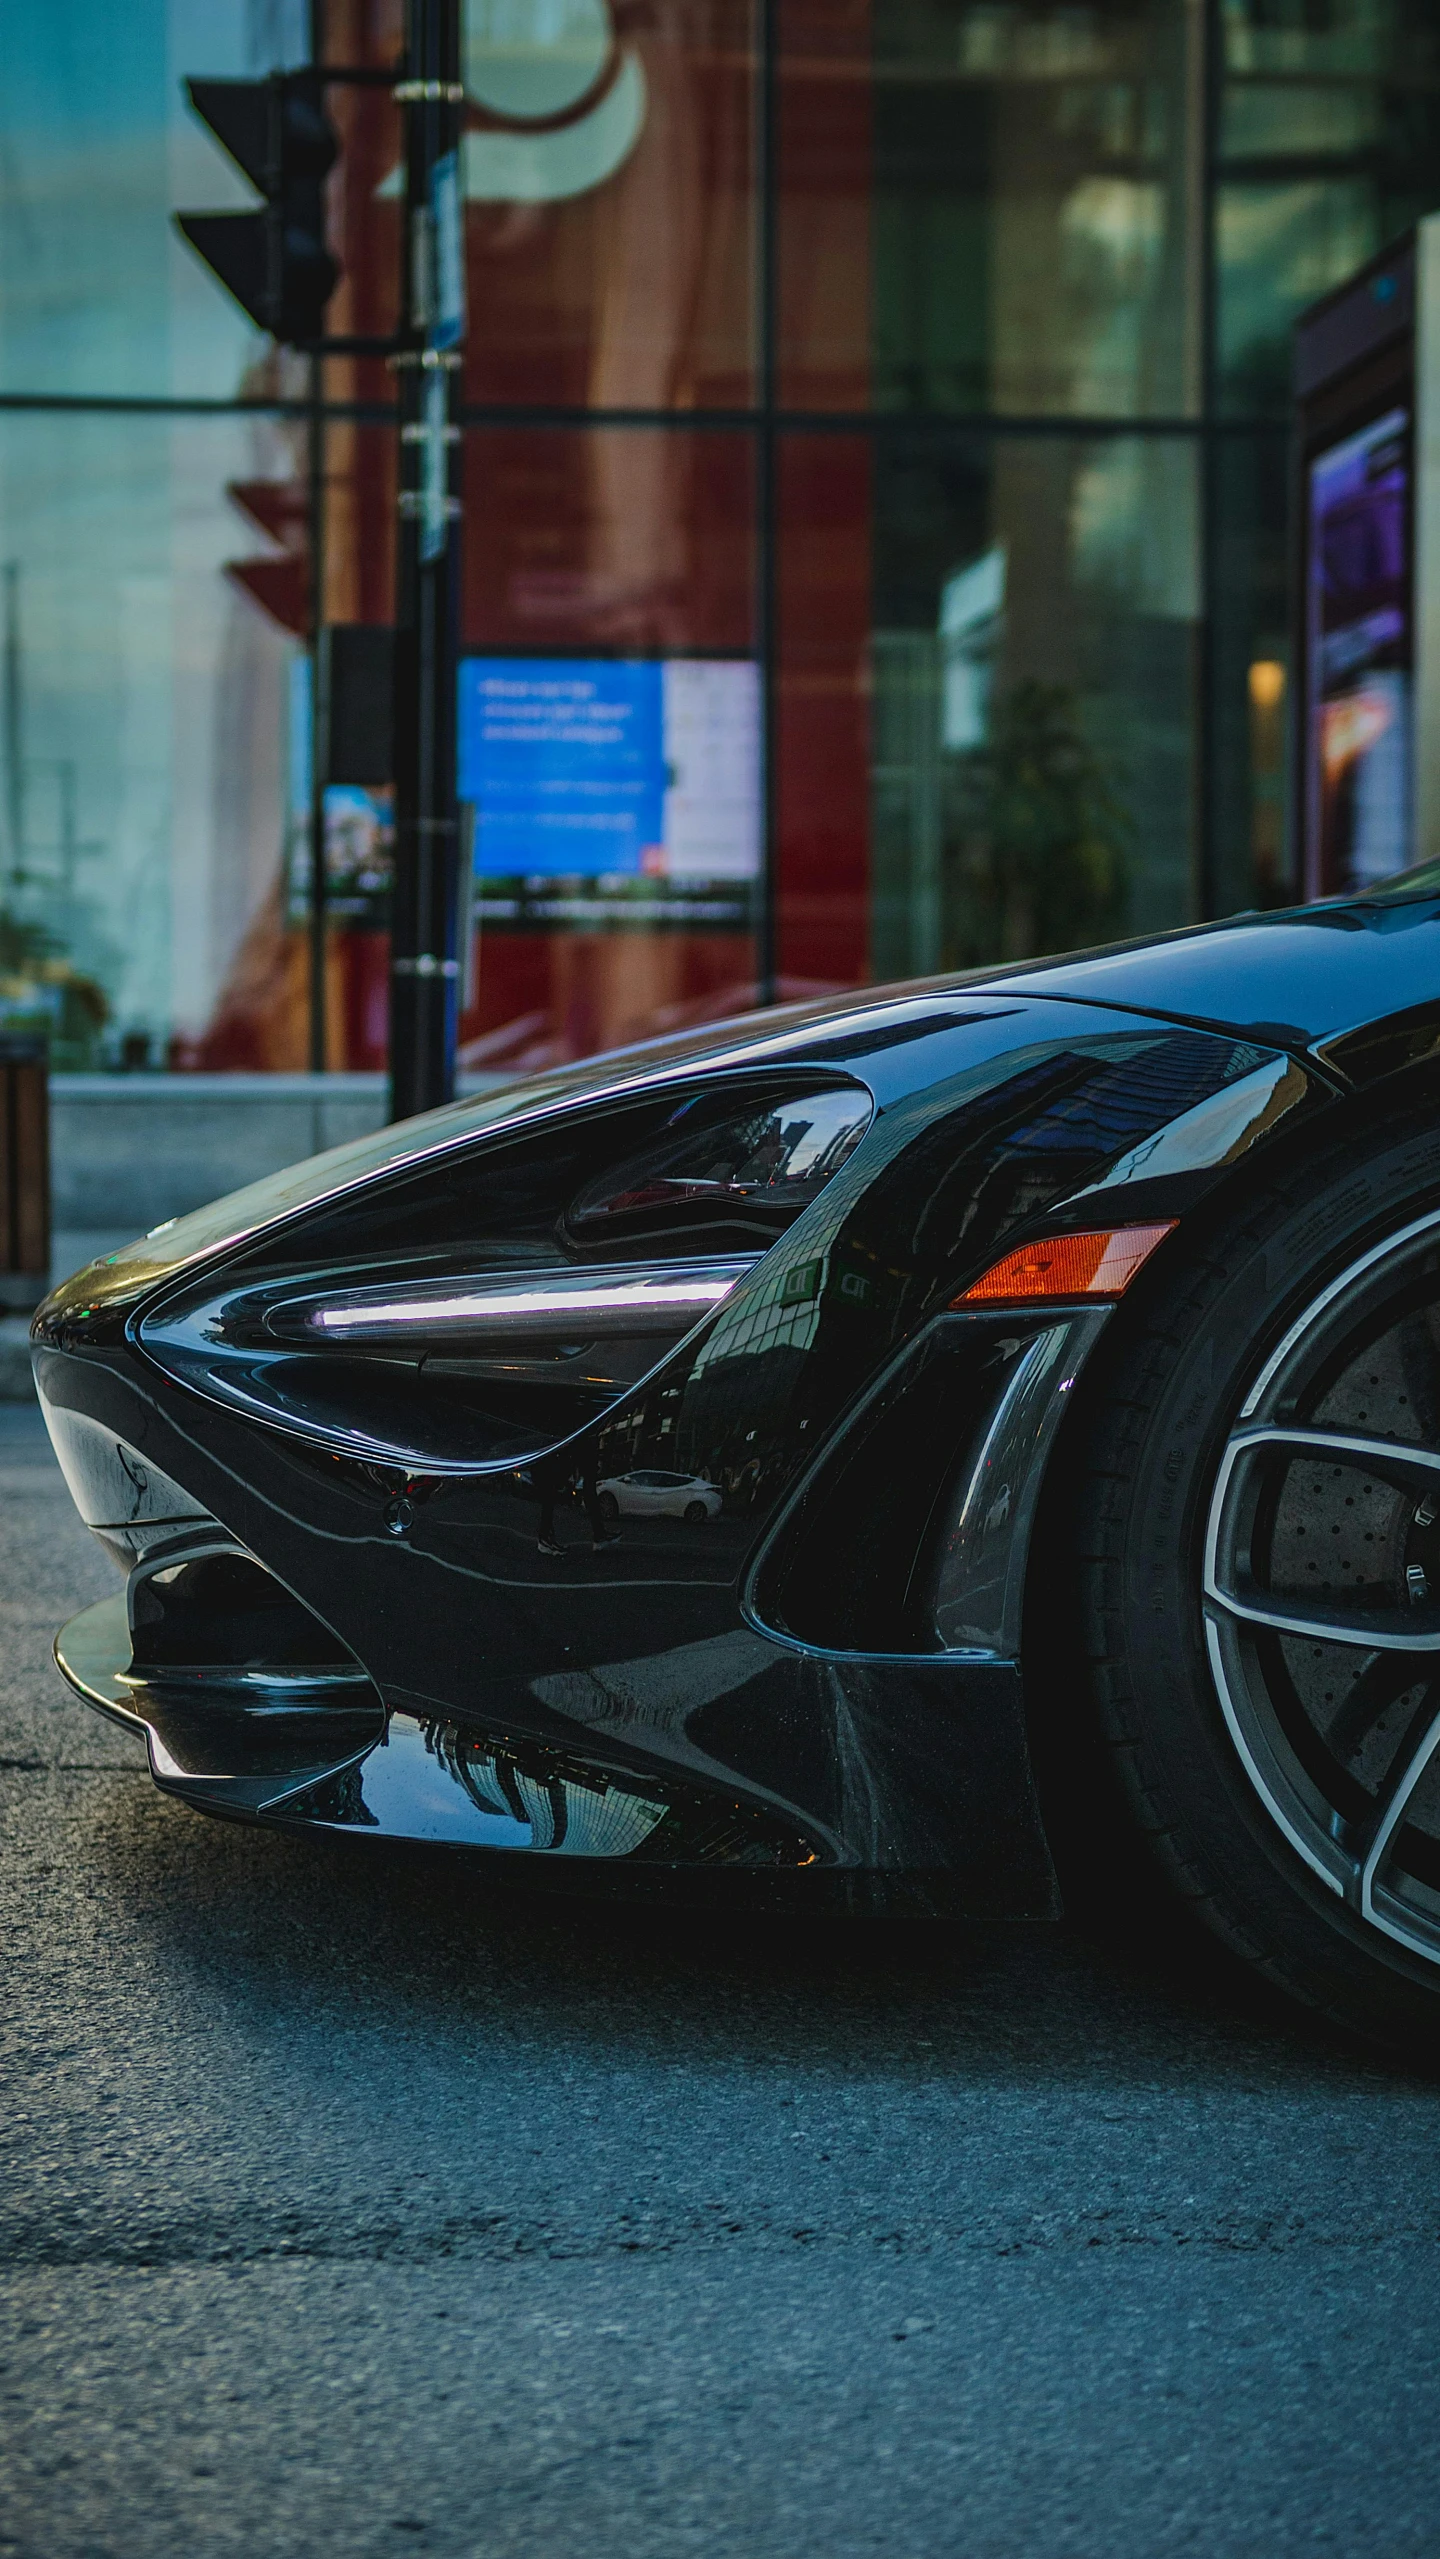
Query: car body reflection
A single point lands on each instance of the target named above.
(437, 1783)
(657, 1492)
(450, 1783)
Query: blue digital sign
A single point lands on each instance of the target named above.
(564, 760)
(636, 777)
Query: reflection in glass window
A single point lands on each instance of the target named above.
(1000, 213)
(614, 566)
(1251, 644)
(610, 567)
(1329, 147)
(1033, 187)
(1032, 670)
(607, 164)
(144, 745)
(97, 146)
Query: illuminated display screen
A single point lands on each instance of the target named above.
(1358, 647)
(596, 779)
(604, 790)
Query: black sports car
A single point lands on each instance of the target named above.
(729, 1453)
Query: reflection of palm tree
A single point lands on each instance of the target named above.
(40, 988)
(1037, 838)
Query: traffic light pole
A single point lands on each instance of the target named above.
(319, 723)
(425, 963)
(277, 262)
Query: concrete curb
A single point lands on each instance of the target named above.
(17, 1383)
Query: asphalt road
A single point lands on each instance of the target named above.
(353, 2203)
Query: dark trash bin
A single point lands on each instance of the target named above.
(24, 1171)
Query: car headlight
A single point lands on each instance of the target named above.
(485, 1307)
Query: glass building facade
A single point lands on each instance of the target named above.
(878, 497)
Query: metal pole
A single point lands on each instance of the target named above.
(14, 726)
(424, 962)
(1209, 899)
(319, 708)
(319, 716)
(65, 776)
(767, 574)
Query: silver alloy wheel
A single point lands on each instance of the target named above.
(1322, 1586)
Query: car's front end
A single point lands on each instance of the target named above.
(354, 1436)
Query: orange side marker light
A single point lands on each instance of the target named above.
(1098, 1265)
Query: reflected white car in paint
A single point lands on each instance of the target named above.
(652, 1492)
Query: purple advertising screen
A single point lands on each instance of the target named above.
(1358, 658)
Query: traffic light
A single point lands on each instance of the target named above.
(276, 260)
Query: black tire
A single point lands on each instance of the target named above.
(1181, 1680)
(609, 1509)
(694, 1512)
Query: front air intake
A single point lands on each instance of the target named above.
(217, 1619)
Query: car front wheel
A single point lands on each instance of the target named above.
(1257, 1536)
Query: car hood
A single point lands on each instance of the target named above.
(1309, 979)
(1353, 985)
